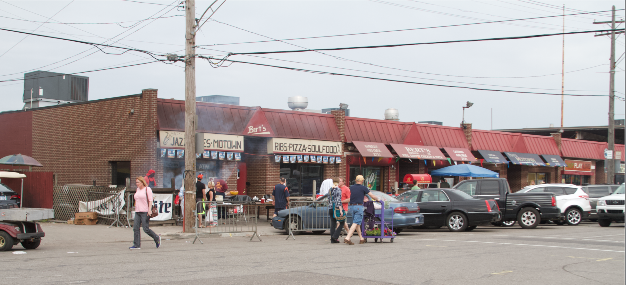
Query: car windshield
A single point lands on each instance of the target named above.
(383, 196)
(619, 190)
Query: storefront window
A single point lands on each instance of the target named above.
(576, 179)
(175, 168)
(536, 178)
(371, 175)
(300, 178)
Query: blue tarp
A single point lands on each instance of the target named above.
(464, 170)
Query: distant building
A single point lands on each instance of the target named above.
(328, 110)
(220, 99)
(431, 123)
(43, 88)
(592, 133)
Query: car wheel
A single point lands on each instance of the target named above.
(604, 223)
(528, 218)
(318, 232)
(573, 216)
(456, 222)
(6, 241)
(508, 223)
(27, 244)
(470, 228)
(294, 223)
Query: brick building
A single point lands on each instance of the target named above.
(108, 140)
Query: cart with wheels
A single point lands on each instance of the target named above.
(374, 225)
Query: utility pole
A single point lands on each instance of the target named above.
(190, 116)
(563, 71)
(611, 167)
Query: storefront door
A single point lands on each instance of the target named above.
(536, 178)
(371, 175)
(300, 178)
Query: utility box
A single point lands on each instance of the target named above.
(43, 88)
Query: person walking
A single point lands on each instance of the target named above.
(200, 196)
(143, 206)
(336, 212)
(345, 199)
(357, 194)
(212, 212)
(280, 197)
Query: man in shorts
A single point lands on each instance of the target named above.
(357, 194)
(280, 196)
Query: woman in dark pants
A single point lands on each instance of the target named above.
(143, 206)
(335, 206)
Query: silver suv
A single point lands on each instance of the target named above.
(595, 192)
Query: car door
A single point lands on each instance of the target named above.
(490, 189)
(434, 205)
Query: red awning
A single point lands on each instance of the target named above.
(460, 154)
(420, 178)
(418, 151)
(372, 149)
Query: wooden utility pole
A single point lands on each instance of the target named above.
(563, 71)
(190, 116)
(610, 169)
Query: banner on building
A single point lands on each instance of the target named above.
(296, 146)
(230, 143)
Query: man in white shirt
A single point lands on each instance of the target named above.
(326, 185)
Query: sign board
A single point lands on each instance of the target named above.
(525, 159)
(230, 143)
(418, 152)
(618, 155)
(105, 207)
(459, 154)
(492, 156)
(297, 146)
(163, 204)
(578, 167)
(608, 154)
(373, 149)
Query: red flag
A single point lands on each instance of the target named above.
(481, 162)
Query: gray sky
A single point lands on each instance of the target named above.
(491, 64)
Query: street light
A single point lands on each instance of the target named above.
(467, 105)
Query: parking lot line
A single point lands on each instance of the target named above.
(535, 245)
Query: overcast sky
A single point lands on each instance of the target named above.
(519, 65)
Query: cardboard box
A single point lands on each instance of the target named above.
(88, 222)
(86, 215)
(70, 222)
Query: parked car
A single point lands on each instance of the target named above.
(6, 194)
(611, 208)
(528, 209)
(570, 198)
(452, 208)
(315, 215)
(595, 192)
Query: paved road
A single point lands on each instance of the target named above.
(584, 254)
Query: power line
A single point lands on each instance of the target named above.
(398, 81)
(414, 77)
(426, 43)
(1, 55)
(88, 71)
(399, 30)
(86, 23)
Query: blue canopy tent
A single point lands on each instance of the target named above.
(464, 170)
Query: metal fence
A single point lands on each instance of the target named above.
(307, 216)
(106, 201)
(226, 217)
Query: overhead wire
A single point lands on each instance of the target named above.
(397, 30)
(401, 81)
(1, 55)
(84, 23)
(425, 43)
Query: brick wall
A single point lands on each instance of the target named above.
(78, 141)
(263, 172)
(467, 130)
(16, 133)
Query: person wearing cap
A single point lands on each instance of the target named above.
(200, 196)
(357, 194)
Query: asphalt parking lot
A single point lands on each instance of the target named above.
(583, 254)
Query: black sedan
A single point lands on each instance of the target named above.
(452, 208)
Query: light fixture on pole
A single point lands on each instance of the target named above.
(467, 105)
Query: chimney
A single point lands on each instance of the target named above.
(557, 139)
(467, 130)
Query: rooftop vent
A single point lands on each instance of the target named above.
(298, 103)
(392, 114)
